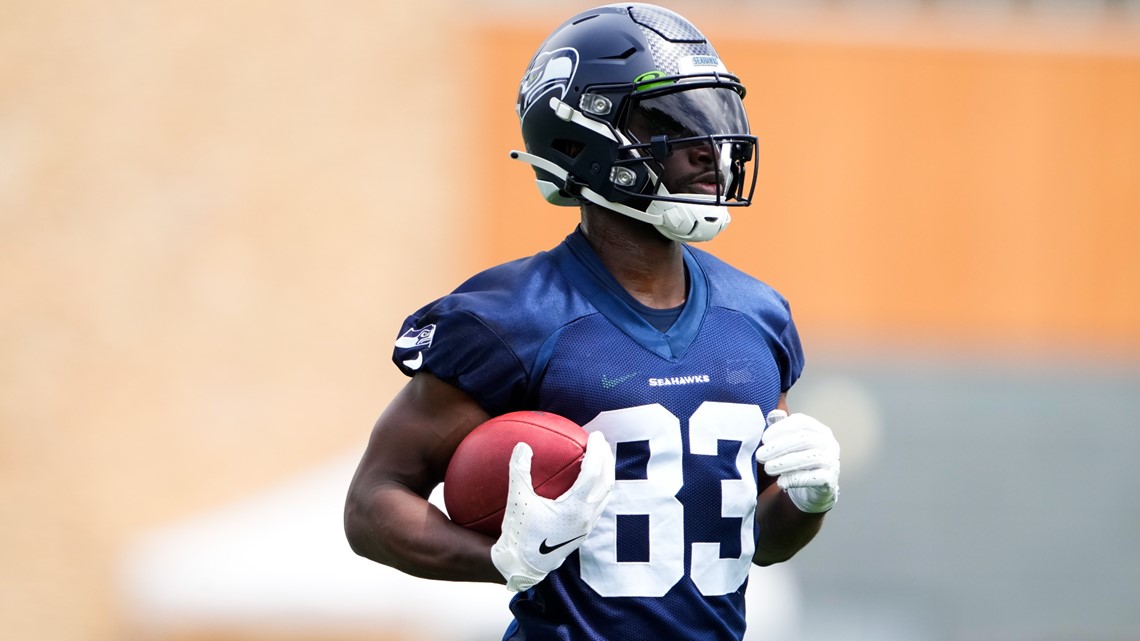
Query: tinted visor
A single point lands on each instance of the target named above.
(707, 111)
(712, 119)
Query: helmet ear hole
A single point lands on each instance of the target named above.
(569, 148)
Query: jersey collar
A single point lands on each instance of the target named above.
(577, 260)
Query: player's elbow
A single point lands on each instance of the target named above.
(359, 530)
(353, 530)
(371, 535)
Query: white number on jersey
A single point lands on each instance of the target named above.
(655, 496)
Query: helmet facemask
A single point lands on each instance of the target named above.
(687, 157)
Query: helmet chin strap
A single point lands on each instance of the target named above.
(689, 222)
(682, 222)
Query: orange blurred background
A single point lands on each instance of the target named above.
(214, 217)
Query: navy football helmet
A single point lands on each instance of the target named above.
(611, 96)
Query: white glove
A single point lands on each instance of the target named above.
(539, 533)
(804, 454)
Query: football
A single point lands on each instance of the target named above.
(477, 478)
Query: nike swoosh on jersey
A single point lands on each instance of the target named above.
(543, 548)
(414, 363)
(608, 382)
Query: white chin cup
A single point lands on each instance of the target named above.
(689, 222)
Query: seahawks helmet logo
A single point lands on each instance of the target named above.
(416, 337)
(549, 71)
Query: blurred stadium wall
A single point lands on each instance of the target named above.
(213, 218)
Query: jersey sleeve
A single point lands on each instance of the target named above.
(455, 346)
(790, 353)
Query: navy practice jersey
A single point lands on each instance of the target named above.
(682, 410)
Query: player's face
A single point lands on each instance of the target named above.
(678, 127)
(689, 167)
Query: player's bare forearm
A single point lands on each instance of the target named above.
(393, 526)
(387, 517)
(784, 529)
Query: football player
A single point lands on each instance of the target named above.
(676, 363)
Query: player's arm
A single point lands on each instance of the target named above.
(800, 465)
(387, 516)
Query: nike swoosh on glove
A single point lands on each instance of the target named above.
(539, 533)
(804, 455)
